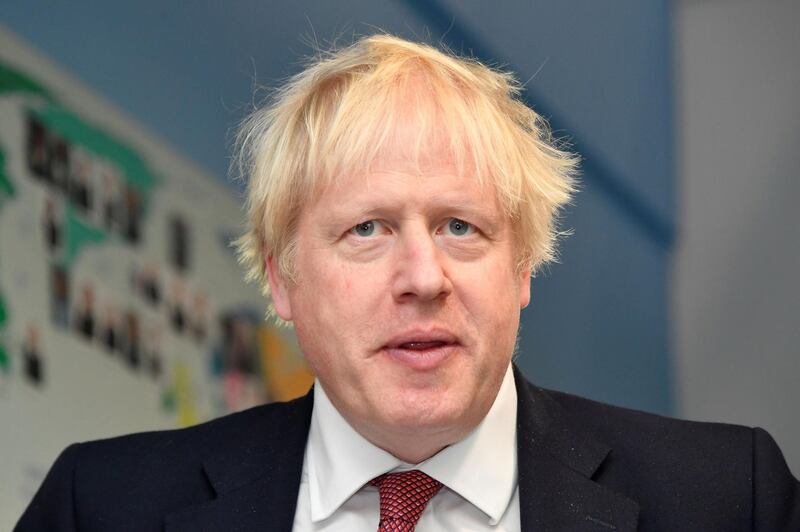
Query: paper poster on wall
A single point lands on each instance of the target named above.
(121, 306)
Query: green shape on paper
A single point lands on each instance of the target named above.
(73, 129)
(3, 311)
(12, 80)
(135, 171)
(56, 117)
(78, 235)
(5, 360)
(6, 186)
(169, 401)
(6, 189)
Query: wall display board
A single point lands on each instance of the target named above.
(121, 302)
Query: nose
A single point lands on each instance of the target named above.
(420, 269)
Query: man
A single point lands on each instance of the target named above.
(399, 200)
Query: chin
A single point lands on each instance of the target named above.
(426, 414)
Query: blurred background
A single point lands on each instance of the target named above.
(677, 292)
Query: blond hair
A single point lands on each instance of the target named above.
(337, 116)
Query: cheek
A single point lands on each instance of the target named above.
(339, 302)
(357, 282)
(348, 287)
(495, 288)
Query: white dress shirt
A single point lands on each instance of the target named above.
(479, 474)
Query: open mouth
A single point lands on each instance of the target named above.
(421, 346)
(422, 351)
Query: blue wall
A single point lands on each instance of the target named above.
(597, 324)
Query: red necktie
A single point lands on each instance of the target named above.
(403, 498)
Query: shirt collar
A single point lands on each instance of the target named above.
(481, 468)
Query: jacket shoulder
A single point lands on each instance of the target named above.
(715, 470)
(635, 429)
(138, 478)
(232, 430)
(149, 458)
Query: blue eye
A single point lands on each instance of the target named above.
(459, 227)
(365, 228)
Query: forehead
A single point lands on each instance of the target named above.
(412, 152)
(418, 148)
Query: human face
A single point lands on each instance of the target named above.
(406, 303)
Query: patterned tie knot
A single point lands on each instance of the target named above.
(403, 498)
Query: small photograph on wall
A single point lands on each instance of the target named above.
(199, 317)
(146, 280)
(32, 361)
(84, 312)
(79, 185)
(152, 357)
(111, 187)
(177, 305)
(109, 333)
(132, 215)
(52, 224)
(60, 162)
(179, 243)
(133, 350)
(38, 150)
(59, 295)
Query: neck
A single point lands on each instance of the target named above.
(414, 444)
(414, 449)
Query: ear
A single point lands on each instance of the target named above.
(278, 289)
(524, 288)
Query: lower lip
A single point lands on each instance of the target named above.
(421, 359)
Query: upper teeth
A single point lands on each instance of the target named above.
(421, 345)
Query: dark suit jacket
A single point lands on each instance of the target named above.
(582, 466)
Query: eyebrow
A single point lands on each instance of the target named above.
(356, 211)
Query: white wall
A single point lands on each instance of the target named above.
(736, 298)
(84, 390)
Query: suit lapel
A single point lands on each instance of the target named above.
(556, 465)
(256, 483)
